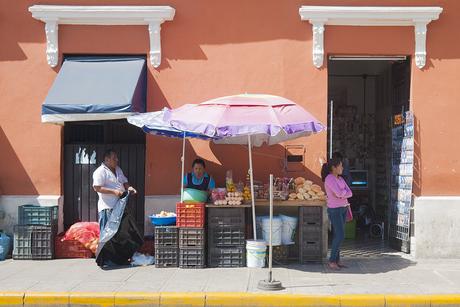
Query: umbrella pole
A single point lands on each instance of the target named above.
(270, 284)
(270, 243)
(253, 198)
(183, 170)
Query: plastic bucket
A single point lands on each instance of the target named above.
(256, 251)
(288, 229)
(276, 230)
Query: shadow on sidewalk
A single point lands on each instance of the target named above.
(361, 266)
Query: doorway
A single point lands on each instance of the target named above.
(84, 147)
(366, 97)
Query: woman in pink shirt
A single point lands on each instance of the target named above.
(338, 193)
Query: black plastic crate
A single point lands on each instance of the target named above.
(226, 236)
(227, 257)
(166, 236)
(166, 257)
(38, 215)
(22, 242)
(280, 254)
(311, 214)
(34, 242)
(311, 251)
(226, 216)
(43, 238)
(311, 231)
(192, 258)
(191, 237)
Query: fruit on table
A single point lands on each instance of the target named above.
(231, 187)
(165, 214)
(247, 193)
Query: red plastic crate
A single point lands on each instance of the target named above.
(190, 215)
(70, 249)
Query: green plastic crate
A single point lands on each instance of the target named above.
(38, 215)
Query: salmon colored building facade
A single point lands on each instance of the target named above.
(217, 48)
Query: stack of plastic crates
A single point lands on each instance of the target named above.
(166, 246)
(311, 234)
(192, 242)
(34, 236)
(227, 237)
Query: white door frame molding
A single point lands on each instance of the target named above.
(417, 16)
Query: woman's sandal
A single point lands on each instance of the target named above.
(333, 266)
(343, 266)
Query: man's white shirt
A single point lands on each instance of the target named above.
(104, 177)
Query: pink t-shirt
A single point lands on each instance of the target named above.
(337, 191)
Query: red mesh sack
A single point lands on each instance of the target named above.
(87, 233)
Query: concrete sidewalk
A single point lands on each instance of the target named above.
(386, 275)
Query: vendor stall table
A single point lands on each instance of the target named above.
(312, 230)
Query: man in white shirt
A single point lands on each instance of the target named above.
(110, 183)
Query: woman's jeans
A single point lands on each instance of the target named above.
(337, 216)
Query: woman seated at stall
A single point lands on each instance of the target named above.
(198, 179)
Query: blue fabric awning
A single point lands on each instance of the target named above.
(97, 88)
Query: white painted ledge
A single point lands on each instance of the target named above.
(53, 15)
(418, 17)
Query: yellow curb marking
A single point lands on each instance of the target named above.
(107, 299)
(137, 298)
(368, 300)
(11, 298)
(49, 298)
(103, 299)
(407, 300)
(182, 299)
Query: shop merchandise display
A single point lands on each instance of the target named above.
(306, 190)
(284, 188)
(221, 197)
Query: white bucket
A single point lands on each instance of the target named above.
(255, 253)
(288, 229)
(276, 230)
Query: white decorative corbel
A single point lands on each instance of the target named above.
(51, 30)
(318, 42)
(420, 43)
(417, 16)
(155, 42)
(53, 15)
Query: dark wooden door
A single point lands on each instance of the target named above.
(81, 160)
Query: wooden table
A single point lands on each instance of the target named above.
(292, 203)
(276, 203)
